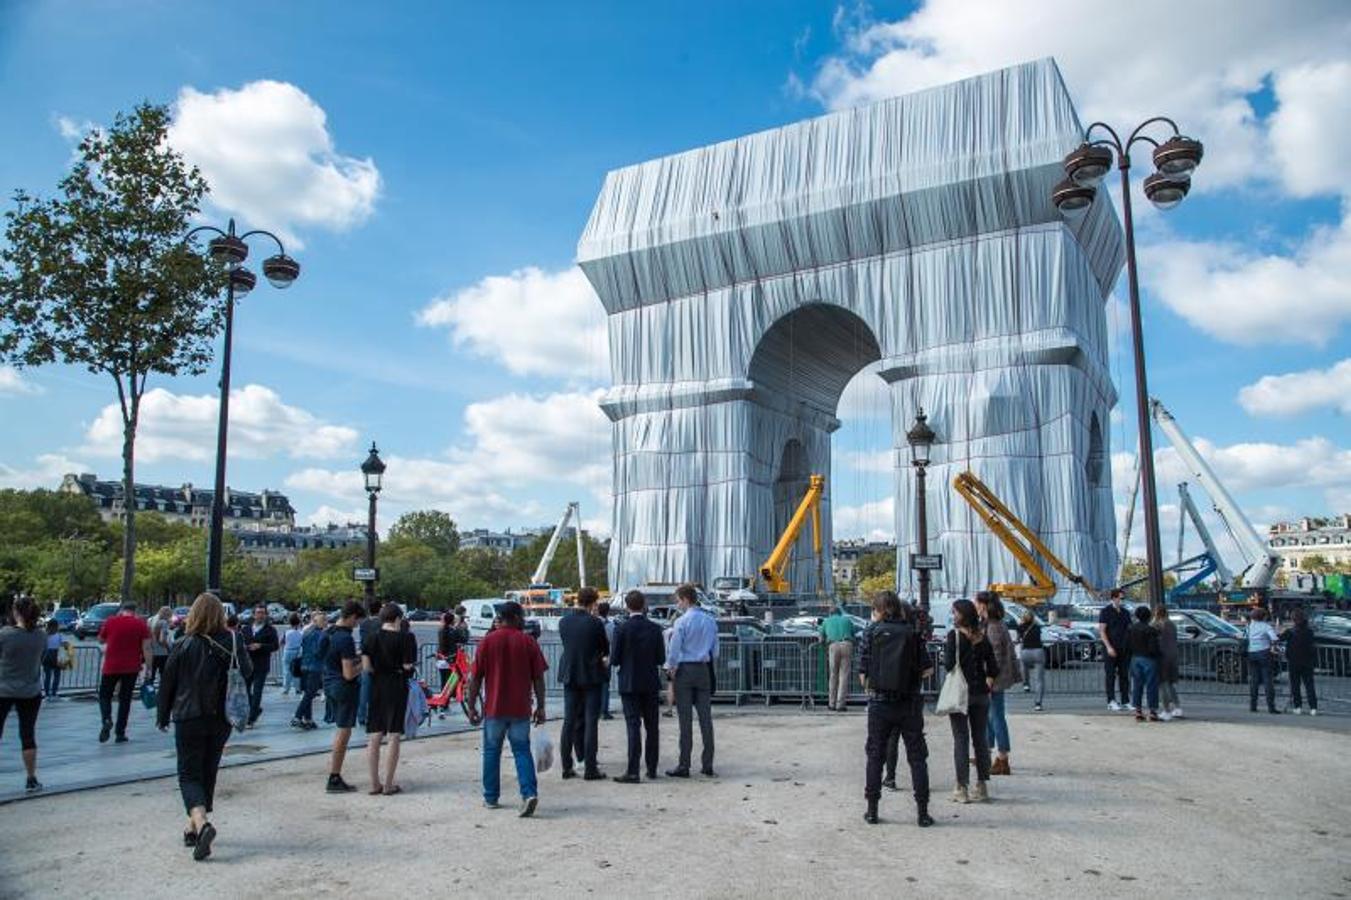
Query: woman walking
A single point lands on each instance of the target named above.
(52, 660)
(1300, 655)
(966, 646)
(192, 696)
(1142, 642)
(991, 610)
(389, 656)
(161, 641)
(290, 652)
(311, 671)
(1032, 655)
(21, 649)
(1168, 664)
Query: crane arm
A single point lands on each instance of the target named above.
(581, 556)
(1002, 524)
(772, 571)
(542, 572)
(1191, 512)
(1264, 562)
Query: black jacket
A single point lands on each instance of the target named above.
(1300, 651)
(978, 662)
(195, 675)
(266, 639)
(451, 638)
(639, 651)
(1143, 640)
(584, 644)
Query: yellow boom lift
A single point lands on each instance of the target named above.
(1002, 523)
(772, 572)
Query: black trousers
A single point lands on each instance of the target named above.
(1302, 676)
(200, 743)
(125, 685)
(157, 667)
(1117, 669)
(27, 708)
(581, 725)
(642, 712)
(260, 673)
(890, 721)
(972, 731)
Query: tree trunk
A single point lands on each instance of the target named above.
(129, 496)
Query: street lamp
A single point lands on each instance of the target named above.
(230, 250)
(373, 470)
(1175, 159)
(921, 438)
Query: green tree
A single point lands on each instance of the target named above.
(563, 570)
(883, 562)
(874, 583)
(429, 527)
(1315, 563)
(486, 567)
(101, 276)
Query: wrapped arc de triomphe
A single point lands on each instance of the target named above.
(747, 282)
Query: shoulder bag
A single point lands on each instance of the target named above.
(236, 692)
(952, 697)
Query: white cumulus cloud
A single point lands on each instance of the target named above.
(267, 153)
(12, 382)
(1299, 392)
(183, 426)
(46, 472)
(533, 322)
(874, 520)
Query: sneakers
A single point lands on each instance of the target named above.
(889, 784)
(33, 785)
(1139, 716)
(1177, 712)
(1036, 707)
(1313, 712)
(528, 806)
(1165, 716)
(105, 732)
(1154, 717)
(959, 794)
(1114, 706)
(922, 817)
(1297, 711)
(337, 786)
(296, 723)
(981, 794)
(491, 804)
(870, 814)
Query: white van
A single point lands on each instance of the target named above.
(480, 613)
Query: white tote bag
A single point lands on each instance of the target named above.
(952, 697)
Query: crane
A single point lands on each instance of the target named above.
(1190, 512)
(542, 570)
(1263, 563)
(1002, 523)
(772, 571)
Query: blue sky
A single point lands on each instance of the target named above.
(433, 165)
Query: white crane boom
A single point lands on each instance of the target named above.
(581, 557)
(1130, 520)
(542, 572)
(1264, 563)
(1190, 511)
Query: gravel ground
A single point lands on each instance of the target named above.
(1097, 805)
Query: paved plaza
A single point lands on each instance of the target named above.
(1098, 804)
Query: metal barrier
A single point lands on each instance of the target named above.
(84, 675)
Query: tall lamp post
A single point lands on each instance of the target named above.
(1175, 159)
(373, 470)
(921, 438)
(230, 250)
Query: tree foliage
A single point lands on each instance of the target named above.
(429, 527)
(883, 562)
(100, 276)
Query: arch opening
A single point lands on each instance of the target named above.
(811, 354)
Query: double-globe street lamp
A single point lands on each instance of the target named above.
(921, 439)
(1175, 159)
(230, 250)
(373, 470)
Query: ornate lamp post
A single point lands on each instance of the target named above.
(1175, 159)
(373, 470)
(230, 250)
(921, 438)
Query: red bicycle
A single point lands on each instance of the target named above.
(453, 690)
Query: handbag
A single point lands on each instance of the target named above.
(297, 669)
(953, 696)
(236, 692)
(149, 696)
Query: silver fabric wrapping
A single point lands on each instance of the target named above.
(747, 282)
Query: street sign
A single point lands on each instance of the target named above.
(926, 562)
(365, 574)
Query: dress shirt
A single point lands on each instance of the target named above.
(694, 638)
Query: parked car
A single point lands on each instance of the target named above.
(1332, 638)
(1210, 647)
(419, 615)
(1063, 645)
(66, 618)
(278, 614)
(180, 615)
(93, 619)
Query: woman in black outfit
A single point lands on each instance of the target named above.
(192, 696)
(449, 639)
(1300, 655)
(966, 642)
(389, 655)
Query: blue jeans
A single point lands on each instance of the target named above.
(311, 683)
(288, 680)
(517, 731)
(998, 728)
(1259, 671)
(364, 698)
(1144, 679)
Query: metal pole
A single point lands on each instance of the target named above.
(370, 550)
(1148, 491)
(923, 515)
(215, 535)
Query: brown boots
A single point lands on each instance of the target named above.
(1000, 766)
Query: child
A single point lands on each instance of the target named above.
(51, 661)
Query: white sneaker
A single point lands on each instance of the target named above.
(1114, 706)
(1313, 712)
(1177, 713)
(1297, 711)
(1165, 716)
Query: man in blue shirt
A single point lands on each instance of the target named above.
(342, 667)
(694, 647)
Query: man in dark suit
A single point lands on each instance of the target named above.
(260, 639)
(639, 651)
(583, 672)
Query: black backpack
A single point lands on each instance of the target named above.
(893, 662)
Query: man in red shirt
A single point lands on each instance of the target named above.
(126, 650)
(510, 664)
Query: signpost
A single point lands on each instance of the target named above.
(926, 562)
(366, 574)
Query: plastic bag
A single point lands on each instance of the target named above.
(149, 696)
(542, 747)
(416, 712)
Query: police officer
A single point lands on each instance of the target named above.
(893, 661)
